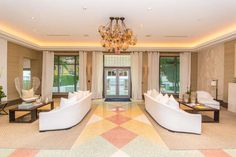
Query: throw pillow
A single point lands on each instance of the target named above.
(149, 92)
(70, 95)
(65, 102)
(164, 99)
(159, 97)
(173, 103)
(28, 93)
(154, 93)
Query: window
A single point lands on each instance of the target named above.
(26, 79)
(26, 73)
(169, 75)
(66, 74)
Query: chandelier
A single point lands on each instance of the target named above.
(115, 36)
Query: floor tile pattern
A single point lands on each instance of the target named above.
(118, 130)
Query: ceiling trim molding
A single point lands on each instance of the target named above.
(218, 40)
(20, 41)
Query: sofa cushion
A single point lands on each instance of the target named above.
(154, 93)
(66, 102)
(149, 92)
(159, 97)
(164, 99)
(173, 103)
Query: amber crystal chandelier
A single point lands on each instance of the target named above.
(116, 36)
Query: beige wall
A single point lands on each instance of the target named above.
(16, 55)
(229, 61)
(210, 67)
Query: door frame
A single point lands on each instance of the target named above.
(117, 83)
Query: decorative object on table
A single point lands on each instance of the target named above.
(35, 86)
(2, 94)
(39, 100)
(193, 97)
(214, 84)
(186, 97)
(25, 105)
(116, 36)
(46, 100)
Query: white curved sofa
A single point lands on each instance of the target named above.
(173, 119)
(205, 98)
(65, 117)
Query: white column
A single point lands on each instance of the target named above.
(47, 74)
(153, 70)
(136, 75)
(97, 75)
(185, 72)
(3, 65)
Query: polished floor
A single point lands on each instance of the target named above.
(117, 130)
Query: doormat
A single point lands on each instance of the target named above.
(117, 100)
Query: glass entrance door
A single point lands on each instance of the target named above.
(117, 83)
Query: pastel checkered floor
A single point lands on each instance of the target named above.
(118, 130)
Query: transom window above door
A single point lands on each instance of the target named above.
(117, 61)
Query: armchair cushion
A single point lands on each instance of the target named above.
(27, 93)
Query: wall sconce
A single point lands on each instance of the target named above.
(214, 83)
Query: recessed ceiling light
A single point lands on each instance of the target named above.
(149, 9)
(58, 35)
(32, 18)
(176, 36)
(148, 35)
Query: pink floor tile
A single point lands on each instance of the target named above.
(118, 119)
(24, 153)
(215, 153)
(119, 136)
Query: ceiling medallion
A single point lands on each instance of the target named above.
(115, 36)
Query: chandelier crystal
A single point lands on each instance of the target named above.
(115, 36)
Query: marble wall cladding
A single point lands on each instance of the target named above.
(194, 70)
(229, 61)
(15, 58)
(211, 66)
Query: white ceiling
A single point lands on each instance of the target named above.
(40, 21)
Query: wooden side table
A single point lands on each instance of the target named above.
(3, 105)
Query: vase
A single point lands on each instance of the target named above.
(186, 98)
(193, 97)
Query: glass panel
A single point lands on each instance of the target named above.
(123, 82)
(56, 59)
(169, 74)
(111, 82)
(56, 79)
(77, 77)
(67, 78)
(26, 79)
(117, 61)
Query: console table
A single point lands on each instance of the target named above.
(30, 116)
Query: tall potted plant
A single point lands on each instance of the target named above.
(2, 94)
